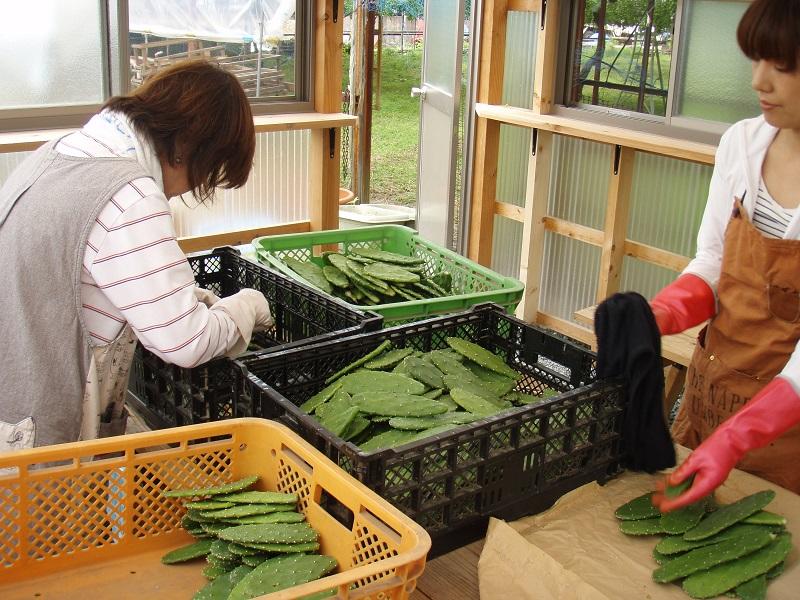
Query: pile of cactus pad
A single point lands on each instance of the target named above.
(254, 542)
(393, 396)
(368, 276)
(733, 549)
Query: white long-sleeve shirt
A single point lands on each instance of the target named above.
(737, 173)
(133, 270)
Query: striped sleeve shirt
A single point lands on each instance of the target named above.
(134, 272)
(769, 217)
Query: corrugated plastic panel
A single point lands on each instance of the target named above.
(506, 246)
(579, 180)
(569, 279)
(645, 278)
(515, 142)
(668, 197)
(277, 191)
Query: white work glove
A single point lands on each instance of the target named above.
(205, 296)
(250, 312)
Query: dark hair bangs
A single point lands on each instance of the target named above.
(770, 30)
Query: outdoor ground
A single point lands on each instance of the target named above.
(395, 134)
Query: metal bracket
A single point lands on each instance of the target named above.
(617, 156)
(332, 142)
(335, 11)
(534, 141)
(544, 14)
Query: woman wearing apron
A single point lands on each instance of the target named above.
(741, 404)
(92, 262)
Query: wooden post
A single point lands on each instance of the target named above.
(487, 133)
(536, 195)
(616, 225)
(325, 143)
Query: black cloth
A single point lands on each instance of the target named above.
(629, 345)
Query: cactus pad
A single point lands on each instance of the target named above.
(710, 556)
(391, 273)
(335, 276)
(207, 505)
(642, 527)
(729, 514)
(236, 486)
(755, 589)
(765, 517)
(286, 548)
(254, 497)
(398, 405)
(310, 272)
(389, 359)
(388, 439)
(281, 573)
(640, 507)
(434, 393)
(337, 424)
(473, 403)
(355, 428)
(383, 347)
(424, 371)
(246, 510)
(673, 491)
(213, 572)
(272, 533)
(190, 552)
(483, 357)
(721, 578)
(385, 256)
(420, 423)
(321, 397)
(683, 519)
(381, 381)
(675, 544)
(253, 560)
(221, 586)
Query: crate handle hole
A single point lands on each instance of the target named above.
(242, 447)
(341, 513)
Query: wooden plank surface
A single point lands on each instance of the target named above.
(607, 134)
(452, 576)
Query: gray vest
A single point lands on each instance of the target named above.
(47, 208)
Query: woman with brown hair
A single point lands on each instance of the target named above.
(742, 399)
(92, 261)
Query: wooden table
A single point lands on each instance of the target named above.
(676, 350)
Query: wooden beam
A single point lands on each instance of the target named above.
(568, 328)
(325, 151)
(510, 211)
(657, 256)
(537, 191)
(525, 5)
(487, 133)
(544, 81)
(197, 243)
(616, 222)
(573, 230)
(26, 141)
(587, 130)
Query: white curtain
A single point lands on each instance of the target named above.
(235, 21)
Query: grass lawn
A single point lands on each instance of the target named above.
(395, 129)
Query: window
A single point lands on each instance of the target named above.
(671, 63)
(60, 60)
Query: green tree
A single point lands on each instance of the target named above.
(632, 12)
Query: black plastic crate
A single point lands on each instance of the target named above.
(512, 464)
(167, 395)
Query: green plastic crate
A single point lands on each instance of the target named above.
(472, 283)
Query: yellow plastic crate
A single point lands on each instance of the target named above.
(87, 520)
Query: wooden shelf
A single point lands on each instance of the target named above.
(646, 142)
(25, 141)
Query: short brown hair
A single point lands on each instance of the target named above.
(770, 30)
(203, 107)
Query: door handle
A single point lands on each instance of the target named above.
(419, 92)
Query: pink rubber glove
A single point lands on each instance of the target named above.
(769, 414)
(684, 303)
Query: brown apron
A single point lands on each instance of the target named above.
(746, 345)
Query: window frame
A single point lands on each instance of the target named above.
(689, 128)
(115, 58)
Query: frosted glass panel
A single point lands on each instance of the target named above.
(50, 53)
(668, 197)
(715, 75)
(439, 58)
(520, 58)
(579, 179)
(506, 246)
(569, 276)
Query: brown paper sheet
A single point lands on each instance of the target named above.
(575, 551)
